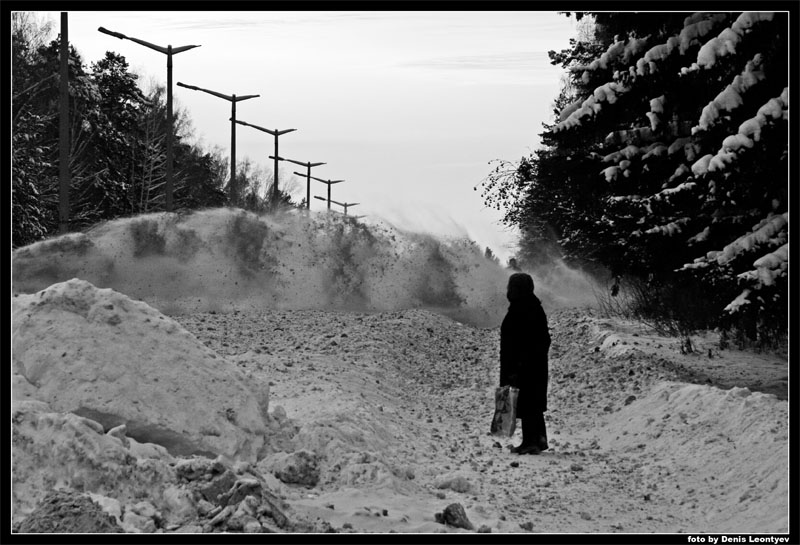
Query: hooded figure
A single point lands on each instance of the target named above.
(524, 343)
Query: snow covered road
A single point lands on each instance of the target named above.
(398, 407)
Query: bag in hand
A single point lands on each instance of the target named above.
(505, 413)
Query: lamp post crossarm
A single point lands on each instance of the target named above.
(309, 165)
(158, 48)
(147, 44)
(194, 88)
(122, 36)
(181, 49)
(270, 131)
(245, 97)
(329, 182)
(119, 35)
(256, 127)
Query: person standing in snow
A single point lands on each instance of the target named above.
(524, 344)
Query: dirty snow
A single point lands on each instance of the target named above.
(378, 422)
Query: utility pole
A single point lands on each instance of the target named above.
(330, 183)
(276, 133)
(233, 99)
(169, 51)
(307, 176)
(63, 130)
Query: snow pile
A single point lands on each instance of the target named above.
(143, 489)
(222, 259)
(99, 354)
(62, 450)
(687, 431)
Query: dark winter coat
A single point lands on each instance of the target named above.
(524, 343)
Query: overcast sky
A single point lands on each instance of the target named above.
(407, 107)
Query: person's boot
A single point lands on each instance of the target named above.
(528, 445)
(543, 442)
(543, 437)
(528, 449)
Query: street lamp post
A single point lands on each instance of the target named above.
(330, 183)
(341, 204)
(344, 205)
(276, 133)
(169, 51)
(233, 99)
(307, 175)
(63, 128)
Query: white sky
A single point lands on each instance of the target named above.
(407, 107)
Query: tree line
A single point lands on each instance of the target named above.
(117, 143)
(666, 163)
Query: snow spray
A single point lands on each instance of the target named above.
(224, 259)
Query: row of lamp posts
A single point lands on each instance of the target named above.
(233, 99)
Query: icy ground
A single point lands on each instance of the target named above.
(378, 422)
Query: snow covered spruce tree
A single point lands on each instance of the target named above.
(667, 162)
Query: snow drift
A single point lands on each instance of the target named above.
(222, 258)
(96, 353)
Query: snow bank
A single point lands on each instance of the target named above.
(731, 443)
(224, 259)
(99, 354)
